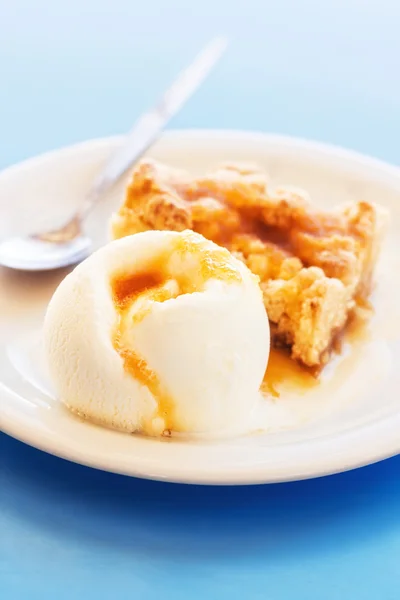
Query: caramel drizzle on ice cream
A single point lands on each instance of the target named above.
(126, 290)
(159, 283)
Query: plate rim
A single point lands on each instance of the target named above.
(362, 456)
(311, 144)
(311, 469)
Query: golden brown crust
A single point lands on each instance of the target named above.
(241, 187)
(306, 310)
(312, 264)
(152, 202)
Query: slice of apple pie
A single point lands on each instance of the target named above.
(314, 266)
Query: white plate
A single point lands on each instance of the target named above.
(351, 419)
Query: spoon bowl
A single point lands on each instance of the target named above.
(34, 254)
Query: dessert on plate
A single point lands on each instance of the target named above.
(314, 266)
(179, 309)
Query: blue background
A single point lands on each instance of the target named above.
(78, 69)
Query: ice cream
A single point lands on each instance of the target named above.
(159, 332)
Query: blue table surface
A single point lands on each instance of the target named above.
(79, 69)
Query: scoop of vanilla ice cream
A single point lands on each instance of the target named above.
(158, 332)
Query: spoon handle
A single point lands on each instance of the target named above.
(150, 125)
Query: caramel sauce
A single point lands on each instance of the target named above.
(282, 369)
(140, 370)
(273, 235)
(126, 289)
(211, 262)
(364, 303)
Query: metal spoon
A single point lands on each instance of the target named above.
(68, 244)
